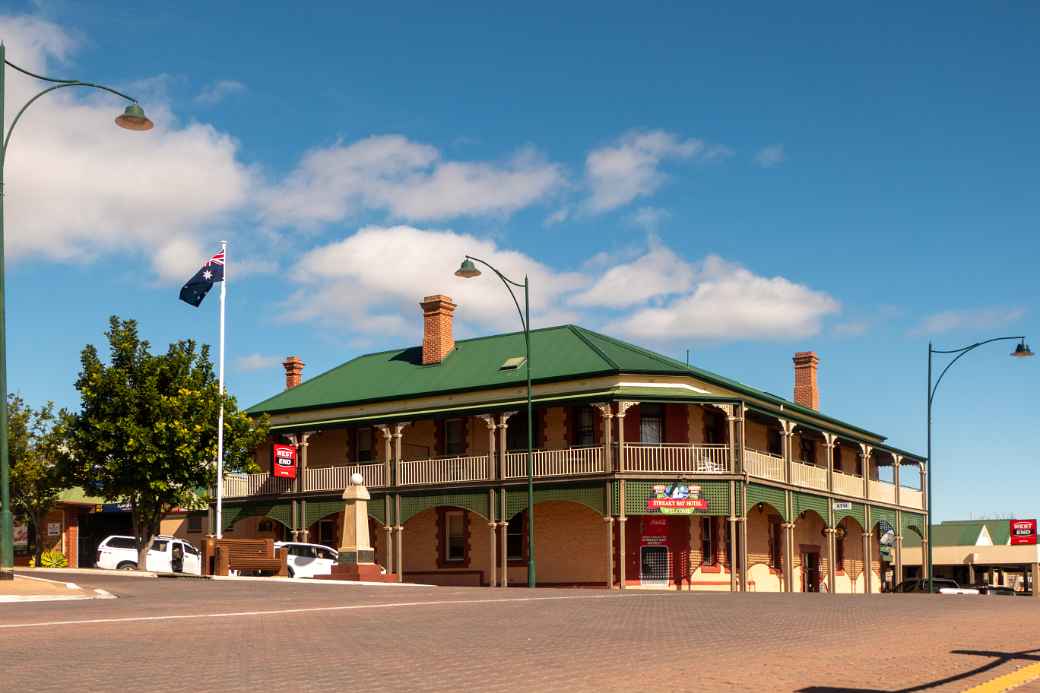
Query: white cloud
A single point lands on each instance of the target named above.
(630, 167)
(771, 156)
(257, 362)
(974, 319)
(215, 92)
(79, 187)
(660, 272)
(650, 218)
(852, 328)
(406, 179)
(372, 281)
(728, 301)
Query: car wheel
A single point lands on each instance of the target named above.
(127, 565)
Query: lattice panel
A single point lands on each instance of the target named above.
(281, 512)
(887, 514)
(715, 492)
(912, 522)
(476, 501)
(317, 510)
(774, 497)
(807, 501)
(589, 496)
(856, 512)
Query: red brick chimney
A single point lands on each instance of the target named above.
(437, 343)
(806, 392)
(293, 371)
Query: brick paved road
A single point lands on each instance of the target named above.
(409, 638)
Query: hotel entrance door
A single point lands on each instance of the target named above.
(811, 571)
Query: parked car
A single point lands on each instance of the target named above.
(308, 560)
(995, 590)
(167, 555)
(939, 586)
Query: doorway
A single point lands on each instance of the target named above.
(653, 566)
(810, 571)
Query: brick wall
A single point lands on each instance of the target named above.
(554, 429)
(327, 449)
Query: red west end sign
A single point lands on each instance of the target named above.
(284, 462)
(1023, 531)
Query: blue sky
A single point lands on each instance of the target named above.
(744, 184)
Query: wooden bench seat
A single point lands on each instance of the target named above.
(246, 555)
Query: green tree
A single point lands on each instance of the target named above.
(37, 479)
(147, 431)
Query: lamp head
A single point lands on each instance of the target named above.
(1022, 350)
(133, 118)
(467, 270)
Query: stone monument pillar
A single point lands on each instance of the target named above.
(356, 555)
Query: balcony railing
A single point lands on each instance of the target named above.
(549, 463)
(338, 478)
(882, 491)
(448, 470)
(237, 485)
(676, 458)
(764, 465)
(808, 475)
(911, 498)
(847, 484)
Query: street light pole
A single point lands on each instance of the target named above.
(1022, 350)
(132, 119)
(467, 271)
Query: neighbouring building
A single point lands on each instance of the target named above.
(980, 552)
(648, 472)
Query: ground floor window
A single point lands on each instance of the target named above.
(775, 543)
(515, 538)
(454, 538)
(708, 544)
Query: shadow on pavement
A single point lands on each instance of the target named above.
(999, 658)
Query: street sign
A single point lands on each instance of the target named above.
(1023, 532)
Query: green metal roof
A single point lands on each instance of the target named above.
(964, 533)
(564, 352)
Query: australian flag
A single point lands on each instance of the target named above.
(198, 286)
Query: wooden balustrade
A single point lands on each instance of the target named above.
(764, 464)
(882, 491)
(447, 470)
(809, 475)
(911, 498)
(677, 458)
(237, 485)
(848, 485)
(548, 463)
(338, 478)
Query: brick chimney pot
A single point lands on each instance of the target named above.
(806, 391)
(438, 315)
(293, 371)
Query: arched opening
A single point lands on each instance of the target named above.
(570, 545)
(765, 548)
(257, 527)
(882, 556)
(849, 561)
(810, 555)
(446, 545)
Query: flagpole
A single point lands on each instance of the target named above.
(220, 420)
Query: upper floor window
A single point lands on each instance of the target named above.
(774, 442)
(808, 450)
(838, 464)
(714, 427)
(364, 445)
(651, 423)
(585, 426)
(516, 433)
(455, 437)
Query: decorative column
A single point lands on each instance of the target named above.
(831, 581)
(786, 437)
(489, 421)
(388, 471)
(864, 456)
(608, 521)
(735, 464)
(493, 562)
(1036, 580)
(397, 436)
(388, 457)
(897, 549)
(897, 462)
(622, 519)
(732, 548)
(503, 527)
(869, 548)
(294, 529)
(503, 444)
(788, 568)
(622, 407)
(388, 532)
(302, 485)
(828, 446)
(605, 412)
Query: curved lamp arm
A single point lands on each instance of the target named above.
(59, 84)
(961, 352)
(509, 285)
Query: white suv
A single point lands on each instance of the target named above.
(308, 560)
(167, 555)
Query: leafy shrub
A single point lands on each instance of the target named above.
(51, 559)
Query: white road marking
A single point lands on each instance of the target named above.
(314, 609)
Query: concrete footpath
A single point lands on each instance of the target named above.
(37, 589)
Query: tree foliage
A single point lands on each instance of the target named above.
(147, 430)
(35, 443)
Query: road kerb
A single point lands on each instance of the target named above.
(1008, 682)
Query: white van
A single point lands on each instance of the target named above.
(167, 555)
